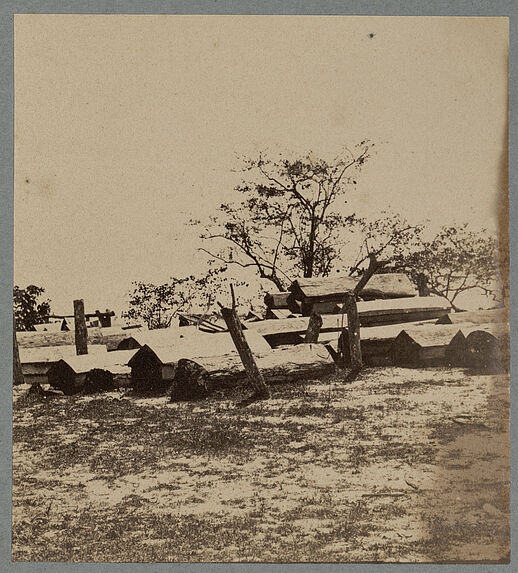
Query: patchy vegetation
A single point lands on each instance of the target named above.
(401, 465)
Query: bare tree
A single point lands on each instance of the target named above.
(291, 220)
(391, 237)
(456, 260)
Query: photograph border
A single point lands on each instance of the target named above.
(286, 7)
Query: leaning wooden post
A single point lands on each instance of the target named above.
(17, 366)
(80, 328)
(314, 326)
(353, 331)
(247, 358)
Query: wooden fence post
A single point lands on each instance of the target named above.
(17, 366)
(81, 334)
(353, 320)
(314, 326)
(353, 330)
(254, 375)
(422, 286)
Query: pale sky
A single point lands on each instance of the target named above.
(128, 126)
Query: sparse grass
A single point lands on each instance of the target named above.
(307, 409)
(295, 478)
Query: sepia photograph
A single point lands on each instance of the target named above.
(261, 289)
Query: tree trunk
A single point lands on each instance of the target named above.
(353, 330)
(374, 265)
(81, 334)
(17, 367)
(314, 326)
(254, 375)
(311, 259)
(275, 280)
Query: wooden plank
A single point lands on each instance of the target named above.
(284, 339)
(174, 336)
(46, 354)
(276, 300)
(376, 342)
(110, 337)
(199, 344)
(378, 312)
(278, 314)
(36, 362)
(297, 325)
(496, 315)
(159, 337)
(380, 333)
(204, 323)
(326, 307)
(251, 317)
(371, 313)
(497, 329)
(47, 339)
(36, 368)
(170, 337)
(432, 335)
(394, 307)
(390, 285)
(288, 364)
(35, 379)
(70, 374)
(115, 362)
(430, 346)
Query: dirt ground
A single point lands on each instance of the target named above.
(401, 465)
